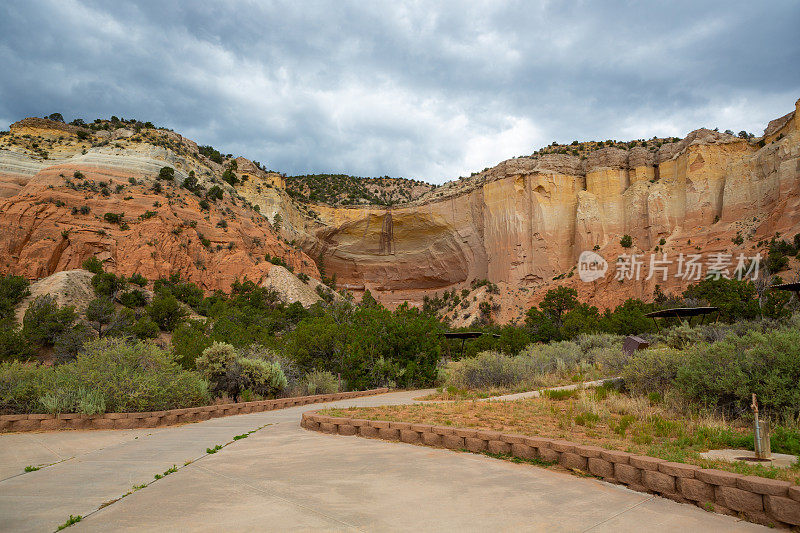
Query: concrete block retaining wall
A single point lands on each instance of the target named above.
(761, 500)
(37, 422)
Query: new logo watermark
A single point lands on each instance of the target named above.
(690, 267)
(591, 266)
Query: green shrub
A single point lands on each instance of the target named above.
(554, 357)
(685, 336)
(188, 342)
(93, 265)
(725, 374)
(100, 312)
(138, 279)
(230, 177)
(486, 370)
(166, 173)
(214, 194)
(134, 298)
(320, 382)
(166, 312)
(13, 344)
(135, 376)
(44, 321)
(262, 377)
(626, 241)
(528, 369)
(190, 182)
(145, 328)
(69, 343)
(13, 289)
(652, 370)
(113, 218)
(230, 373)
(108, 284)
(77, 400)
(735, 298)
(121, 375)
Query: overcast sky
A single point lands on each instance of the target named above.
(422, 90)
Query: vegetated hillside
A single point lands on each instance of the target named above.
(141, 199)
(341, 189)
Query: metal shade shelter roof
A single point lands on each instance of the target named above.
(464, 335)
(468, 334)
(787, 287)
(682, 312)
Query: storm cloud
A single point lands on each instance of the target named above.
(422, 90)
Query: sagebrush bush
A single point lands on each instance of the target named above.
(320, 382)
(652, 370)
(487, 369)
(73, 400)
(611, 360)
(553, 357)
(725, 374)
(599, 341)
(113, 374)
(231, 373)
(496, 370)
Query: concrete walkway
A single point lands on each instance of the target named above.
(285, 478)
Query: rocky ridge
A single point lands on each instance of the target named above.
(521, 224)
(101, 196)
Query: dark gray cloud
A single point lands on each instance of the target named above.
(425, 90)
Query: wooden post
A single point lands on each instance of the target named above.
(756, 430)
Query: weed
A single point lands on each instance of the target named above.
(166, 472)
(515, 459)
(588, 419)
(559, 394)
(244, 435)
(622, 426)
(70, 521)
(215, 449)
(31, 468)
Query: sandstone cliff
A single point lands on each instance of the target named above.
(521, 224)
(525, 222)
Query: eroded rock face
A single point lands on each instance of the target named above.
(526, 221)
(521, 224)
(51, 220)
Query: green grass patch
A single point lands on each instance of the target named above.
(560, 394)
